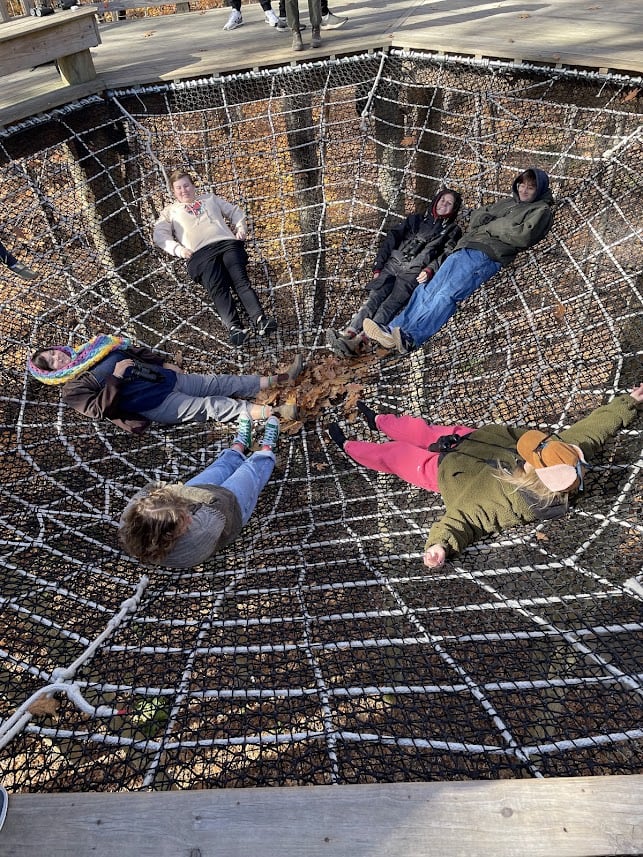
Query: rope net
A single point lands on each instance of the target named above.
(318, 648)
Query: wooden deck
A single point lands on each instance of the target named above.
(592, 34)
(575, 817)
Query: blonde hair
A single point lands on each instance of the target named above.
(520, 480)
(175, 175)
(152, 524)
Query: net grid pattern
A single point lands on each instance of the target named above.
(317, 648)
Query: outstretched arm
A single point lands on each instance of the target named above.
(591, 432)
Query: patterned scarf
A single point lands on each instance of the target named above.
(82, 358)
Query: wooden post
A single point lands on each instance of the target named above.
(77, 68)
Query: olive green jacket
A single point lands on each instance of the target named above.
(478, 503)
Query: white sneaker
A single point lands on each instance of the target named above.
(332, 22)
(273, 21)
(235, 20)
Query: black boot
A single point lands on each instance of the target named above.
(337, 435)
(369, 415)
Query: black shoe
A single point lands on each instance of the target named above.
(369, 415)
(238, 335)
(337, 435)
(265, 325)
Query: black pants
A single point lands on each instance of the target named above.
(221, 268)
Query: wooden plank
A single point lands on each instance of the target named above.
(582, 816)
(28, 42)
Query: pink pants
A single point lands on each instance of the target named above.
(407, 455)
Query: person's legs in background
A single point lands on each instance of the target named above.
(270, 18)
(234, 18)
(328, 20)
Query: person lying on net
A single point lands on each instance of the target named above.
(182, 525)
(410, 254)
(132, 386)
(494, 237)
(209, 233)
(490, 478)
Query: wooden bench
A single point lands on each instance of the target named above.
(65, 36)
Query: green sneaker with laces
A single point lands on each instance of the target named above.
(244, 431)
(271, 434)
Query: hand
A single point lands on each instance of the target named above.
(376, 274)
(186, 253)
(435, 556)
(637, 394)
(173, 367)
(241, 233)
(121, 367)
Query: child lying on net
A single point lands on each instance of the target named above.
(490, 478)
(182, 525)
(110, 378)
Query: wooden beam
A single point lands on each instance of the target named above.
(581, 816)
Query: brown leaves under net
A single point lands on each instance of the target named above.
(46, 705)
(324, 382)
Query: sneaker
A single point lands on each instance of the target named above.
(343, 346)
(287, 411)
(402, 342)
(273, 21)
(315, 38)
(238, 335)
(271, 434)
(332, 22)
(379, 333)
(296, 368)
(265, 325)
(235, 20)
(244, 431)
(23, 271)
(297, 44)
(283, 22)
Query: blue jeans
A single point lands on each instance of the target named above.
(245, 477)
(433, 303)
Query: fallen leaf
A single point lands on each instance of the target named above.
(44, 705)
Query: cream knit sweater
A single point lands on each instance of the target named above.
(203, 222)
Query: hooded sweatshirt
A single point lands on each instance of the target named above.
(504, 228)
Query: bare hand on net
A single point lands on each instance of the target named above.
(435, 556)
(637, 393)
(121, 367)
